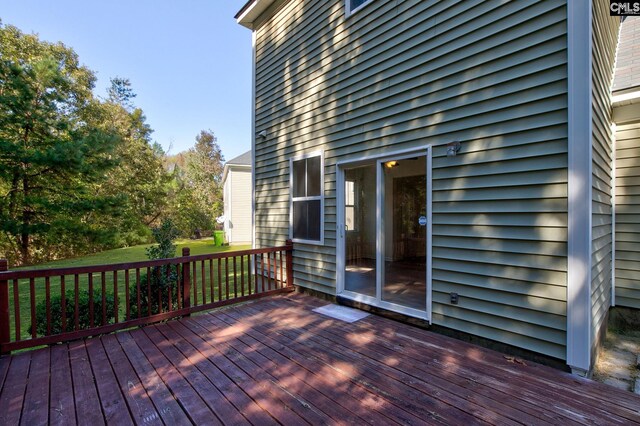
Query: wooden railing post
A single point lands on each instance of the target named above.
(186, 279)
(4, 308)
(289, 244)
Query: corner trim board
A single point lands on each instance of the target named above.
(580, 48)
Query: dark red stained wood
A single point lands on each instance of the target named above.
(270, 388)
(269, 276)
(5, 333)
(62, 410)
(447, 391)
(255, 272)
(191, 402)
(179, 284)
(137, 399)
(91, 301)
(274, 407)
(341, 408)
(103, 282)
(85, 394)
(47, 296)
(114, 407)
(211, 395)
(235, 277)
(76, 309)
(115, 295)
(168, 409)
(126, 296)
(194, 348)
(281, 270)
(16, 309)
(12, 394)
(32, 304)
(148, 292)
(169, 291)
(204, 284)
(211, 283)
(36, 401)
(242, 275)
(194, 279)
(219, 279)
(264, 288)
(302, 399)
(226, 276)
(375, 396)
(138, 301)
(63, 304)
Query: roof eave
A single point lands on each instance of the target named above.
(251, 11)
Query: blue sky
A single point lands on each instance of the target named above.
(188, 61)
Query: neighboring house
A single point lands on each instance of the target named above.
(450, 161)
(236, 182)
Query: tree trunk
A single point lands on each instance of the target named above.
(26, 222)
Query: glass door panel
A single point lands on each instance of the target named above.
(405, 232)
(360, 229)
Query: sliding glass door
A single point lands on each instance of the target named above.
(385, 240)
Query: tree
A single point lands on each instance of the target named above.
(204, 168)
(51, 155)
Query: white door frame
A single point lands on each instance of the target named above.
(341, 234)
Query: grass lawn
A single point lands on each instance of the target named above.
(135, 254)
(116, 284)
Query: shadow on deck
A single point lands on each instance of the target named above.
(275, 361)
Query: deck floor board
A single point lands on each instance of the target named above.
(274, 361)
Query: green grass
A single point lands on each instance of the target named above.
(136, 254)
(127, 255)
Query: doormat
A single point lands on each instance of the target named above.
(341, 313)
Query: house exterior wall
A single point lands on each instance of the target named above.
(628, 215)
(237, 193)
(400, 75)
(605, 30)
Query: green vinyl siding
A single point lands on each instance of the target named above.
(628, 215)
(400, 75)
(605, 38)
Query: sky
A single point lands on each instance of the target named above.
(188, 61)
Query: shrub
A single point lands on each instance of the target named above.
(163, 279)
(83, 312)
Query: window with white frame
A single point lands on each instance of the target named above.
(306, 198)
(353, 6)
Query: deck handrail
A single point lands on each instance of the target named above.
(153, 290)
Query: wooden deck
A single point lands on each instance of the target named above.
(275, 361)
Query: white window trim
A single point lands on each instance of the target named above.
(347, 7)
(321, 197)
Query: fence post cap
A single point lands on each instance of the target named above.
(186, 251)
(4, 265)
(289, 242)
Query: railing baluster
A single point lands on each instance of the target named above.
(269, 269)
(179, 283)
(91, 298)
(47, 295)
(16, 308)
(235, 278)
(103, 280)
(148, 291)
(126, 295)
(226, 275)
(281, 274)
(169, 288)
(211, 279)
(5, 330)
(186, 279)
(219, 279)
(204, 287)
(76, 302)
(242, 275)
(158, 272)
(115, 297)
(262, 271)
(194, 279)
(255, 272)
(63, 304)
(32, 301)
(139, 305)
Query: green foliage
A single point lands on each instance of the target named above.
(83, 312)
(163, 280)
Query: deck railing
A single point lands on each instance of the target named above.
(46, 306)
